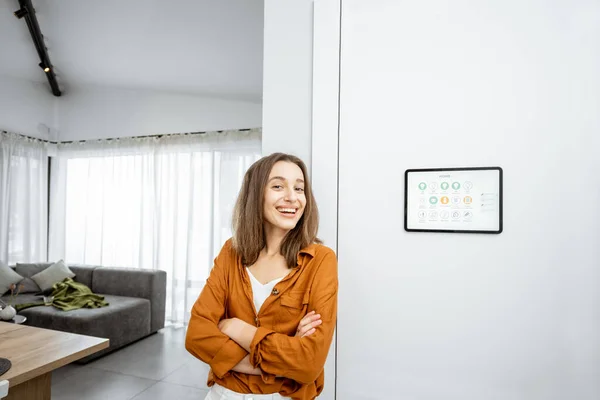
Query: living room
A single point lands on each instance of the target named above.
(366, 93)
(133, 166)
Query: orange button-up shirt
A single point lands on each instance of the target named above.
(291, 366)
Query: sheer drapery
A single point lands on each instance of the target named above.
(160, 203)
(23, 199)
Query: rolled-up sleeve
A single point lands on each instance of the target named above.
(302, 359)
(204, 339)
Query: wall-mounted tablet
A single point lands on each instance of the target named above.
(461, 200)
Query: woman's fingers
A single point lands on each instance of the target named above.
(307, 323)
(310, 332)
(308, 318)
(310, 327)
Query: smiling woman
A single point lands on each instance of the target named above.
(275, 201)
(265, 318)
(284, 197)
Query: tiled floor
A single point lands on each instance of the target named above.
(154, 368)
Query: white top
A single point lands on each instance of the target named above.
(260, 292)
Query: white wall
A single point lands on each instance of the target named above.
(288, 107)
(326, 26)
(287, 77)
(427, 316)
(100, 112)
(26, 108)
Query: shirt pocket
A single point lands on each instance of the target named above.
(293, 307)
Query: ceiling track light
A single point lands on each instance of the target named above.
(21, 12)
(44, 67)
(27, 10)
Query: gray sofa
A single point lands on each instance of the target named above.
(136, 307)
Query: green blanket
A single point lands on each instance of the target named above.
(70, 295)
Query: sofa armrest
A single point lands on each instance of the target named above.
(132, 282)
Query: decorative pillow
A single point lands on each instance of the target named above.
(57, 272)
(27, 271)
(7, 278)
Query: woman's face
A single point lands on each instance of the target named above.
(284, 200)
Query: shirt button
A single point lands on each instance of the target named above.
(275, 292)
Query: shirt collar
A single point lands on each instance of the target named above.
(309, 250)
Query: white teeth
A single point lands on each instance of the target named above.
(287, 210)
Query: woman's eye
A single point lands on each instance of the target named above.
(300, 189)
(277, 187)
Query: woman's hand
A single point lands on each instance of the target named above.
(245, 367)
(308, 324)
(224, 324)
(239, 331)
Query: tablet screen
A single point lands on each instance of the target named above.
(453, 200)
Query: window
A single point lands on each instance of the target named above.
(168, 210)
(23, 199)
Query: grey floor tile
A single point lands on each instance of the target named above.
(154, 357)
(96, 384)
(192, 373)
(58, 375)
(173, 333)
(170, 391)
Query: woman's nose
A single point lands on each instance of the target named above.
(291, 195)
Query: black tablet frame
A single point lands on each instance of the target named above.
(500, 199)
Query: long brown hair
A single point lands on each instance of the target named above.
(248, 220)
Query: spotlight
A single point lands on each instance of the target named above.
(44, 67)
(20, 13)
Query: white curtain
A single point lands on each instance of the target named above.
(23, 199)
(160, 203)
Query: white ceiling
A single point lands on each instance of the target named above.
(206, 47)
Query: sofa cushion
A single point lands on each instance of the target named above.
(124, 320)
(55, 273)
(27, 271)
(8, 277)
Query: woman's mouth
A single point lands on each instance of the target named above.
(287, 212)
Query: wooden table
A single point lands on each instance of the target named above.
(35, 353)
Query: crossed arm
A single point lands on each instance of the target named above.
(243, 333)
(233, 345)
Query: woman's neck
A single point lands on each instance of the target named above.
(274, 238)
